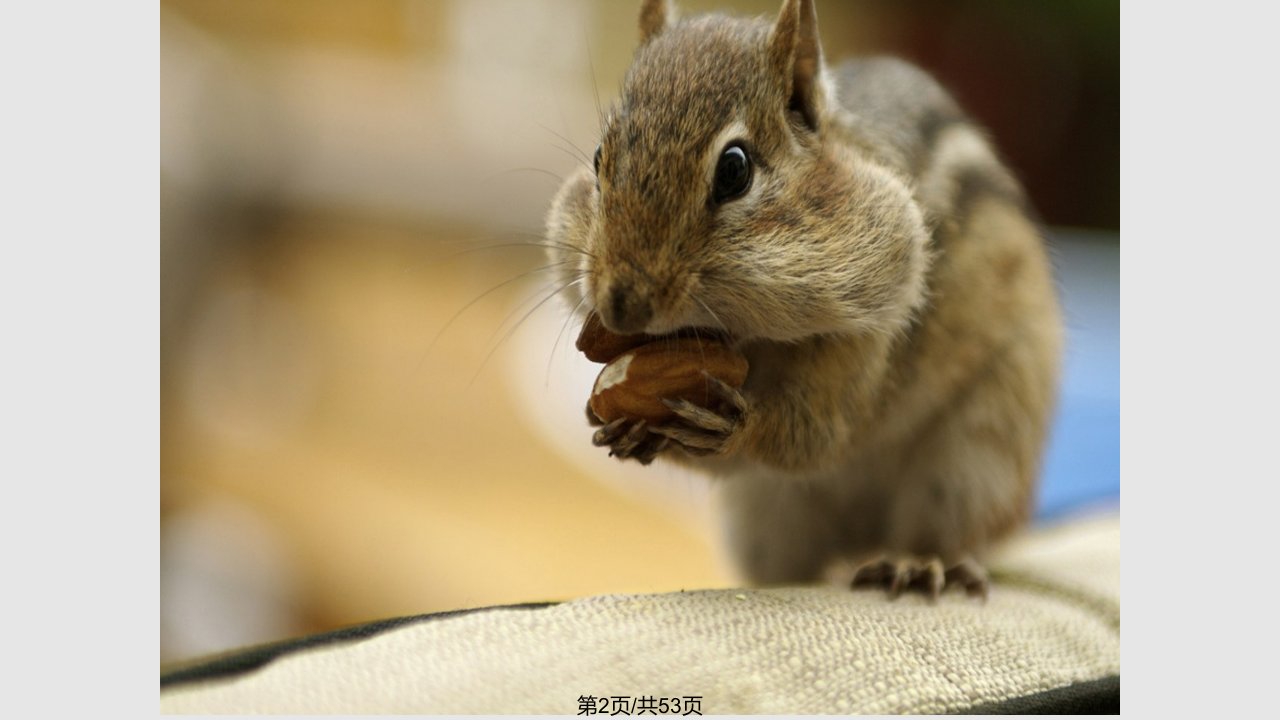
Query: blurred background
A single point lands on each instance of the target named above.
(367, 408)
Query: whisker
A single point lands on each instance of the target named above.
(564, 123)
(547, 381)
(571, 154)
(516, 310)
(541, 246)
(718, 321)
(712, 313)
(573, 145)
(567, 246)
(702, 356)
(492, 233)
(497, 175)
(430, 256)
(482, 296)
(595, 91)
(536, 239)
(520, 322)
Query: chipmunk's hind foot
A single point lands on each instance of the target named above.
(927, 574)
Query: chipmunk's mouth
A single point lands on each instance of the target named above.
(666, 329)
(701, 333)
(600, 344)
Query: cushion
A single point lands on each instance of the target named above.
(1046, 640)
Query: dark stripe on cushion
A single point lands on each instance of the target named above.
(249, 659)
(1094, 697)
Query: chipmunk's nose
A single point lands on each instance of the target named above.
(627, 309)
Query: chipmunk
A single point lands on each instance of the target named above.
(858, 240)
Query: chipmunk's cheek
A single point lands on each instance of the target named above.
(570, 234)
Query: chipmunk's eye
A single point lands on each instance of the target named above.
(733, 174)
(597, 161)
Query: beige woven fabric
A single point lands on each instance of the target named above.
(1052, 620)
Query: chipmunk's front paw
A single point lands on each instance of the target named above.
(627, 438)
(693, 428)
(705, 431)
(896, 573)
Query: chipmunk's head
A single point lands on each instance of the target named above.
(724, 195)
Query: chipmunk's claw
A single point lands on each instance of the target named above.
(702, 418)
(726, 392)
(630, 439)
(926, 574)
(701, 431)
(969, 574)
(627, 445)
(610, 432)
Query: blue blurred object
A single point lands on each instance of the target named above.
(1082, 464)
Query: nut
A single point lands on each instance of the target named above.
(634, 384)
(601, 345)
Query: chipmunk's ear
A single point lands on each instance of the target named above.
(796, 58)
(655, 16)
